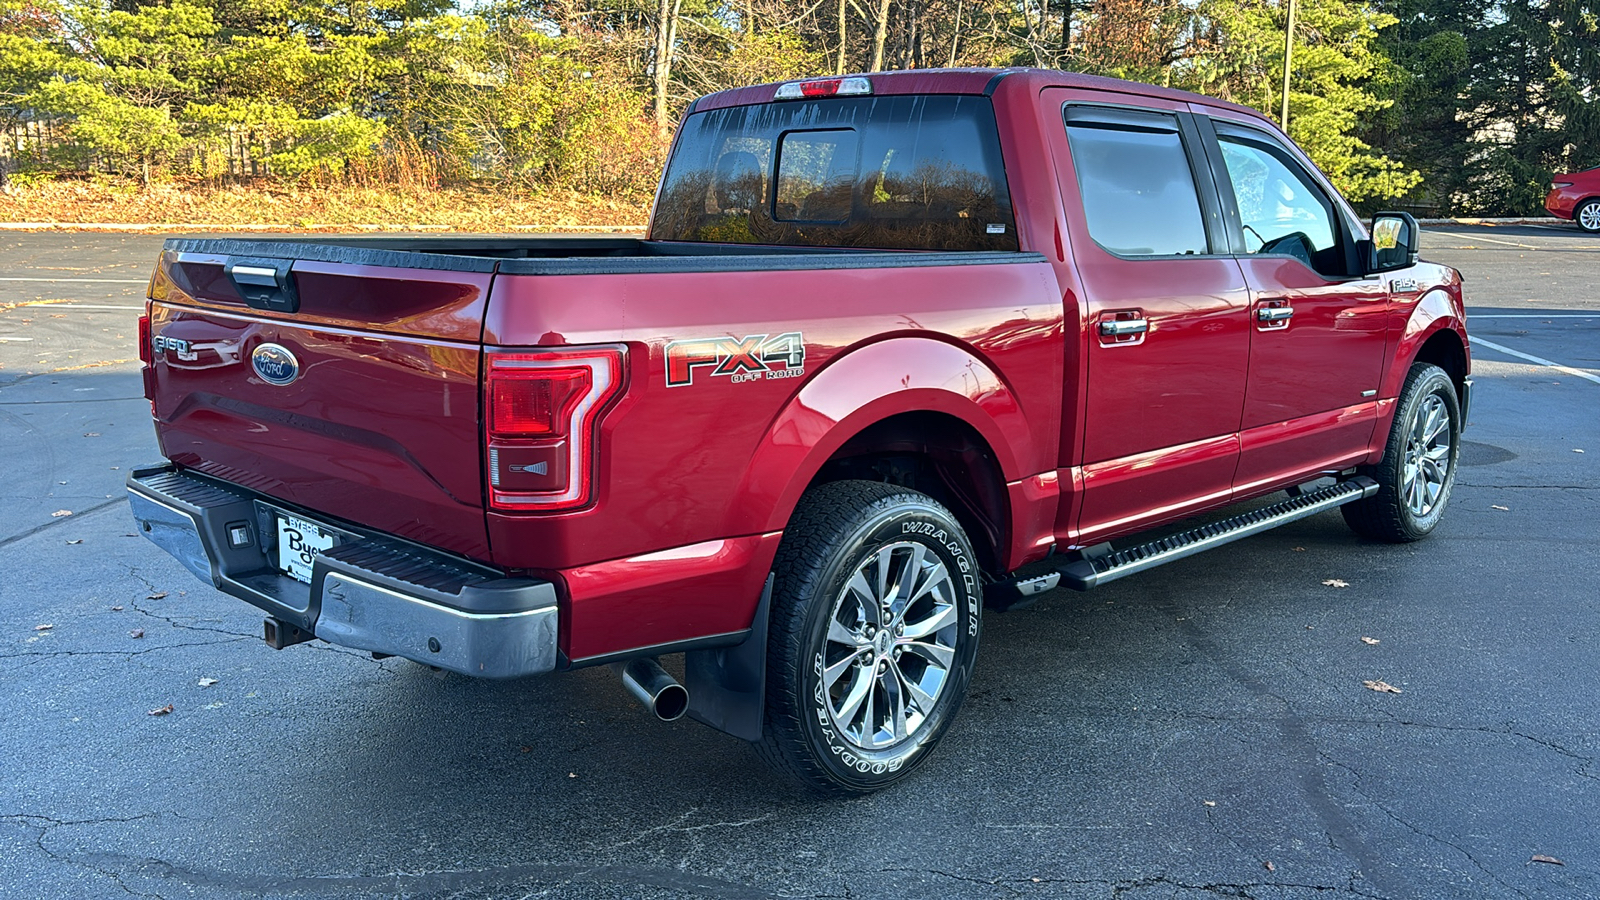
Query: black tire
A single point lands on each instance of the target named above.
(1587, 215)
(838, 530)
(1392, 514)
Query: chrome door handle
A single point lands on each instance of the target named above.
(1123, 327)
(1275, 314)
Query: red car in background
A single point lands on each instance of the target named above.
(1577, 197)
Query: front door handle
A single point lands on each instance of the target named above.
(1123, 327)
(1270, 314)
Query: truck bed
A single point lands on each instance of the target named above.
(388, 435)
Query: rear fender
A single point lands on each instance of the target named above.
(864, 386)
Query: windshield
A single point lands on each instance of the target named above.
(902, 173)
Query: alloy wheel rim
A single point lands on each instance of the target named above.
(1427, 459)
(890, 646)
(1589, 217)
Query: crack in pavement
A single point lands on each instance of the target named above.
(126, 654)
(1120, 887)
(28, 820)
(77, 514)
(1296, 736)
(116, 866)
(1418, 831)
(1531, 487)
(150, 588)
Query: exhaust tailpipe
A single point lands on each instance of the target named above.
(651, 685)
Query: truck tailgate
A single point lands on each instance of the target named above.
(349, 386)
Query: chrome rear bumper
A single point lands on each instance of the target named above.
(369, 592)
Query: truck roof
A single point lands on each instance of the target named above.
(966, 81)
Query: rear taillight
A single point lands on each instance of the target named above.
(147, 357)
(542, 424)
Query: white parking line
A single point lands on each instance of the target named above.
(1479, 237)
(7, 338)
(80, 280)
(1536, 359)
(1475, 316)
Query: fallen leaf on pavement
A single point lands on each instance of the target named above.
(91, 434)
(1367, 640)
(160, 712)
(207, 682)
(78, 541)
(1269, 866)
(60, 512)
(1576, 450)
(1382, 687)
(1210, 802)
(1540, 857)
(136, 633)
(1337, 582)
(1299, 549)
(156, 596)
(1499, 507)
(43, 627)
(116, 609)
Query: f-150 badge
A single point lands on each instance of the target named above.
(752, 358)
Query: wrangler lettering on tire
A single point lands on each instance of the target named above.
(876, 612)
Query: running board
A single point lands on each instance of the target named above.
(1097, 568)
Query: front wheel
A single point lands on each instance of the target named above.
(1587, 215)
(1419, 462)
(875, 619)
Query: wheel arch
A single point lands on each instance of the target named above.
(1434, 334)
(918, 411)
(942, 456)
(1445, 349)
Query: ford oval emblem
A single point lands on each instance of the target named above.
(275, 364)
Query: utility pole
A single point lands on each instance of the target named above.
(1288, 61)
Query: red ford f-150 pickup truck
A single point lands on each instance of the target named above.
(893, 343)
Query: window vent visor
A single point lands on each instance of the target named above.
(542, 415)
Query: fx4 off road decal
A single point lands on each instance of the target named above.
(752, 358)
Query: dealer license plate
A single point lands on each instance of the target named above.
(299, 542)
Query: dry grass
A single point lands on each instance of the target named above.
(271, 206)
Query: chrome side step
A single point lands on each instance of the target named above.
(1104, 564)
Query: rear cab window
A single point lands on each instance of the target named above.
(919, 172)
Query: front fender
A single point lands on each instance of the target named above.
(1437, 310)
(864, 386)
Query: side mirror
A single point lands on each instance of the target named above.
(1394, 242)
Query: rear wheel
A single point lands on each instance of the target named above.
(875, 620)
(1587, 215)
(1419, 462)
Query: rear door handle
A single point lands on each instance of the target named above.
(1123, 327)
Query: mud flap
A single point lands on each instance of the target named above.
(728, 685)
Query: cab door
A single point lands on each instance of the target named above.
(1165, 322)
(1317, 326)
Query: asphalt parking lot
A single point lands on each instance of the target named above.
(1197, 731)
